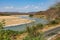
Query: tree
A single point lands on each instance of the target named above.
(30, 15)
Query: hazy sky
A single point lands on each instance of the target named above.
(25, 5)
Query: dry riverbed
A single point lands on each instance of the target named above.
(14, 20)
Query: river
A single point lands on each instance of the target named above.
(23, 26)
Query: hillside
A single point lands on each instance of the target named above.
(52, 12)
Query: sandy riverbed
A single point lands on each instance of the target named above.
(12, 20)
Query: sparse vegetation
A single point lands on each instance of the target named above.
(40, 26)
(58, 38)
(33, 33)
(34, 29)
(2, 23)
(30, 15)
(54, 22)
(8, 34)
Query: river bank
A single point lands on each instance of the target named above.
(19, 23)
(14, 20)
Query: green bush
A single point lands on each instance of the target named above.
(7, 34)
(32, 31)
(40, 37)
(58, 38)
(54, 22)
(31, 38)
(39, 26)
(2, 23)
(30, 15)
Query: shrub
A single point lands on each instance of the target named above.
(30, 15)
(2, 23)
(32, 31)
(39, 37)
(40, 26)
(54, 22)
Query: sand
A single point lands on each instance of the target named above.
(14, 20)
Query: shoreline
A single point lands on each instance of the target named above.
(18, 24)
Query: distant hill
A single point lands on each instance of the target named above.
(16, 13)
(11, 13)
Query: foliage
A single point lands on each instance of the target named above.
(21, 32)
(30, 15)
(58, 38)
(2, 23)
(40, 26)
(29, 38)
(54, 22)
(8, 34)
(33, 33)
(40, 37)
(58, 19)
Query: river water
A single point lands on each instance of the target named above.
(23, 26)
